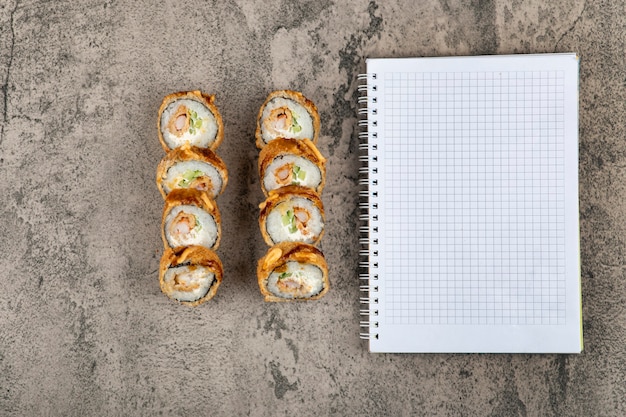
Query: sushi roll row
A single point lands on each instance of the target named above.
(190, 177)
(292, 174)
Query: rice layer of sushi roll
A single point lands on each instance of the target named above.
(285, 162)
(287, 114)
(292, 271)
(192, 167)
(190, 217)
(190, 275)
(292, 214)
(190, 118)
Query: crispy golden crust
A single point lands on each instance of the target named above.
(194, 255)
(282, 194)
(278, 255)
(190, 153)
(191, 197)
(207, 100)
(299, 147)
(298, 98)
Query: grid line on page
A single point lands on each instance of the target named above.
(474, 204)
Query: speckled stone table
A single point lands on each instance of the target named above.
(84, 328)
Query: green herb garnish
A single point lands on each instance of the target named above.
(289, 220)
(295, 127)
(198, 226)
(287, 217)
(195, 122)
(188, 177)
(298, 174)
(284, 275)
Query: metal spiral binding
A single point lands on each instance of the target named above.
(366, 121)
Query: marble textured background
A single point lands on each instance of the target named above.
(84, 329)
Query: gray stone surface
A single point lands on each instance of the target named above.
(84, 329)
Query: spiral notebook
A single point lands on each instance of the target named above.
(470, 204)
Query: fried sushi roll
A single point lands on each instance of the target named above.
(190, 275)
(190, 217)
(190, 117)
(192, 167)
(287, 114)
(285, 162)
(292, 214)
(293, 271)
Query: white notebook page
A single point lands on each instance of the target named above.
(477, 192)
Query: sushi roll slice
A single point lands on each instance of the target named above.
(292, 271)
(190, 275)
(190, 117)
(190, 217)
(192, 167)
(291, 162)
(287, 114)
(292, 214)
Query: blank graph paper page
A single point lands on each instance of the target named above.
(476, 189)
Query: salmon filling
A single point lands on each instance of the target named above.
(293, 283)
(282, 121)
(284, 174)
(183, 224)
(296, 219)
(201, 183)
(289, 173)
(187, 283)
(179, 122)
(295, 280)
(183, 281)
